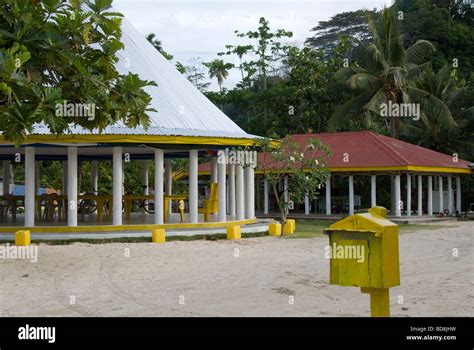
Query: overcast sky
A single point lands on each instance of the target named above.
(196, 28)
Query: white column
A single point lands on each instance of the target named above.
(95, 176)
(213, 169)
(265, 196)
(37, 176)
(450, 195)
(306, 204)
(440, 194)
(285, 188)
(6, 177)
(159, 155)
(221, 188)
(351, 194)
(65, 172)
(231, 180)
(117, 187)
(430, 195)
(169, 181)
(420, 195)
(239, 192)
(458, 194)
(29, 187)
(193, 186)
(408, 206)
(373, 191)
(328, 195)
(398, 197)
(72, 186)
(249, 193)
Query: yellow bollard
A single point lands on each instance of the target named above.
(289, 227)
(274, 229)
(22, 237)
(158, 235)
(233, 232)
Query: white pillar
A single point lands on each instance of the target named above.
(37, 177)
(6, 176)
(450, 195)
(221, 188)
(351, 194)
(193, 186)
(169, 181)
(458, 194)
(285, 189)
(373, 191)
(420, 195)
(213, 169)
(398, 197)
(239, 192)
(29, 187)
(231, 181)
(95, 176)
(430, 195)
(159, 155)
(328, 195)
(408, 206)
(72, 186)
(65, 172)
(265, 196)
(440, 194)
(117, 187)
(249, 193)
(306, 204)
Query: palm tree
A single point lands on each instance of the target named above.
(383, 75)
(220, 70)
(155, 42)
(431, 130)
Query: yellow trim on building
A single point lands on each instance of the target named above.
(158, 139)
(105, 228)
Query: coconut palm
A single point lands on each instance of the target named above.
(155, 42)
(431, 130)
(219, 69)
(383, 73)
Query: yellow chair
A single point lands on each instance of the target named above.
(210, 205)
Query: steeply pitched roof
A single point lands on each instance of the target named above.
(182, 110)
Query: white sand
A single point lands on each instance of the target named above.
(213, 282)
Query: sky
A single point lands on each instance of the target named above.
(190, 29)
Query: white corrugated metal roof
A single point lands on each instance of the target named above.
(182, 110)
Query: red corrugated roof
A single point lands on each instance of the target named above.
(366, 149)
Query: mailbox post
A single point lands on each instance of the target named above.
(364, 253)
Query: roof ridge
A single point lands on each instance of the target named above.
(392, 153)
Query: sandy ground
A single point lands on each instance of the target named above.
(209, 278)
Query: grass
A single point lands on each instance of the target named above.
(310, 228)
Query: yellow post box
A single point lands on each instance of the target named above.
(363, 252)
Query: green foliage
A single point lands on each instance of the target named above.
(219, 69)
(52, 52)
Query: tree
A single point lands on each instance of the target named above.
(180, 67)
(52, 52)
(219, 69)
(351, 24)
(383, 74)
(304, 164)
(239, 51)
(158, 45)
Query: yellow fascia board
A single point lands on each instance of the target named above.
(111, 228)
(158, 139)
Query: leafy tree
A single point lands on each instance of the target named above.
(239, 51)
(52, 52)
(383, 73)
(219, 69)
(303, 163)
(195, 74)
